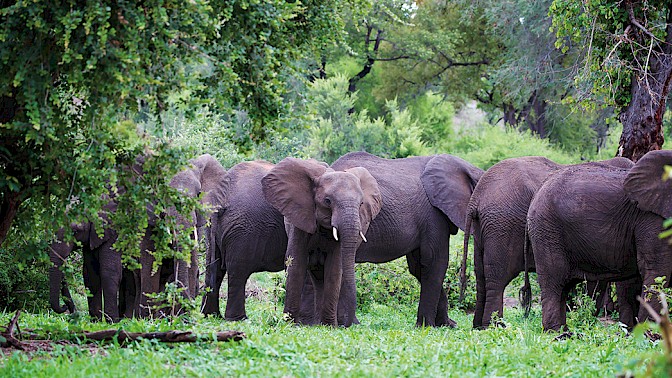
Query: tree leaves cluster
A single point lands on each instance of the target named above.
(79, 75)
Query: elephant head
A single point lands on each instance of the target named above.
(199, 178)
(313, 197)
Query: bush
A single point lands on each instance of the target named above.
(389, 283)
(339, 130)
(23, 283)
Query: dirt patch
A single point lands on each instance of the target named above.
(31, 347)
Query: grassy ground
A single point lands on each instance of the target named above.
(385, 344)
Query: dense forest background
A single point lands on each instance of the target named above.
(86, 87)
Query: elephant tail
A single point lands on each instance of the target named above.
(465, 252)
(525, 294)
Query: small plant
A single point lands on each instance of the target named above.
(657, 364)
(173, 302)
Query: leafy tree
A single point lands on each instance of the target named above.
(338, 131)
(627, 59)
(76, 73)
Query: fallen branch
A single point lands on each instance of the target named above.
(169, 336)
(8, 340)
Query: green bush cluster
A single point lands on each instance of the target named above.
(23, 283)
(389, 283)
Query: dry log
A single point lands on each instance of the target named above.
(8, 340)
(169, 336)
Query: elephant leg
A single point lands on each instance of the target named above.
(628, 306)
(494, 300)
(193, 274)
(433, 266)
(149, 283)
(297, 253)
(479, 272)
(110, 279)
(318, 288)
(214, 275)
(308, 303)
(127, 293)
(91, 274)
(553, 308)
(235, 301)
(333, 272)
(442, 319)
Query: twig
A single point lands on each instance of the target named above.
(8, 334)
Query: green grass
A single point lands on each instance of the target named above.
(386, 343)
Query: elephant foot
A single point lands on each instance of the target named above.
(450, 323)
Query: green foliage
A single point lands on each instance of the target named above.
(614, 48)
(173, 303)
(23, 283)
(76, 77)
(338, 131)
(486, 145)
(388, 283)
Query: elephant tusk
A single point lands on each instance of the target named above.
(335, 233)
(196, 234)
(363, 238)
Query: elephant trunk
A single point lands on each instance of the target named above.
(350, 240)
(57, 286)
(55, 282)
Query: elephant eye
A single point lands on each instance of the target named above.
(327, 201)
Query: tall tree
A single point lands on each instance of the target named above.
(627, 59)
(75, 71)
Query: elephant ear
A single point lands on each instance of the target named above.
(211, 173)
(644, 183)
(449, 182)
(372, 198)
(288, 187)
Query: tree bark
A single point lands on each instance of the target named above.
(642, 119)
(8, 209)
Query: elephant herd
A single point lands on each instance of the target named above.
(596, 222)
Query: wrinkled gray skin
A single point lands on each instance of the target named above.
(497, 211)
(201, 176)
(247, 235)
(593, 222)
(102, 270)
(402, 206)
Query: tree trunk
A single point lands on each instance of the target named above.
(643, 118)
(8, 209)
(536, 117)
